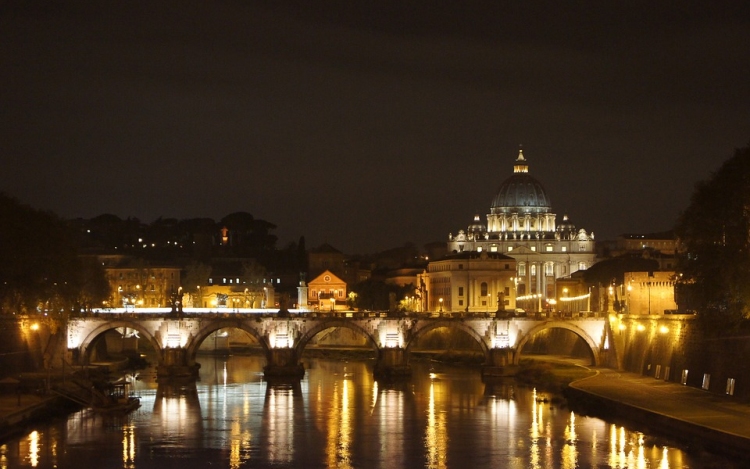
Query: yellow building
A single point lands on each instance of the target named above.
(649, 292)
(143, 286)
(326, 292)
(470, 282)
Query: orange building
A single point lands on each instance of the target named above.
(326, 292)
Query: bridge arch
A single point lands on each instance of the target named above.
(567, 325)
(424, 327)
(84, 349)
(209, 327)
(327, 324)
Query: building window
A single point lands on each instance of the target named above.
(533, 270)
(460, 266)
(507, 291)
(479, 248)
(549, 248)
(565, 249)
(460, 302)
(460, 291)
(533, 248)
(581, 266)
(493, 248)
(483, 289)
(521, 270)
(549, 269)
(510, 248)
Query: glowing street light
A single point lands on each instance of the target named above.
(441, 304)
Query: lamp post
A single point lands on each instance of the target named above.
(333, 303)
(441, 304)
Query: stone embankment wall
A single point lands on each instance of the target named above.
(671, 348)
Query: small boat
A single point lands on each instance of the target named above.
(120, 406)
(118, 400)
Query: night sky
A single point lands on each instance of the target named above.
(369, 124)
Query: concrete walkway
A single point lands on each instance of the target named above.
(18, 410)
(715, 421)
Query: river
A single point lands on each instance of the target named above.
(338, 416)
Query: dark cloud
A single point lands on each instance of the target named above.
(369, 124)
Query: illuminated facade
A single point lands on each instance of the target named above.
(470, 282)
(143, 286)
(649, 292)
(326, 292)
(521, 225)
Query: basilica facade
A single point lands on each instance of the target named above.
(522, 226)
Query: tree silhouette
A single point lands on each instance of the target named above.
(714, 238)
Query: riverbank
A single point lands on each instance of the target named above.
(19, 411)
(697, 418)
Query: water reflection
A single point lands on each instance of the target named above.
(389, 413)
(339, 417)
(436, 438)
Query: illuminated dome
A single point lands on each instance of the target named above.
(521, 193)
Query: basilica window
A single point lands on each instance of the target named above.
(549, 269)
(521, 270)
(460, 291)
(549, 248)
(483, 289)
(533, 270)
(581, 266)
(565, 249)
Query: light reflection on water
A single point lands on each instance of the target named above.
(340, 417)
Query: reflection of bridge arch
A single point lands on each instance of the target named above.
(84, 350)
(327, 324)
(567, 325)
(209, 327)
(423, 327)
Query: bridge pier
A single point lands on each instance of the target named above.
(174, 364)
(283, 363)
(500, 363)
(392, 363)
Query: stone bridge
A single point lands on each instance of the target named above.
(176, 337)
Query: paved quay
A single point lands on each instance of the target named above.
(715, 421)
(16, 411)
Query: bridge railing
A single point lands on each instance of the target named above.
(255, 312)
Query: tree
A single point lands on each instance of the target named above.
(714, 238)
(39, 267)
(195, 275)
(376, 295)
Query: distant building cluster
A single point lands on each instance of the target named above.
(518, 258)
